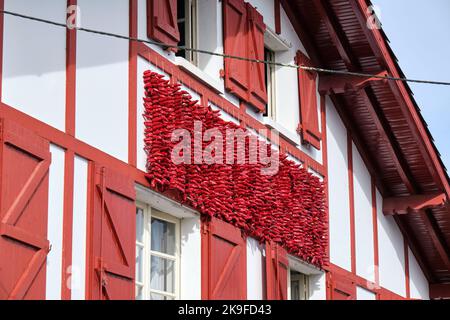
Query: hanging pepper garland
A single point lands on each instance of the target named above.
(287, 208)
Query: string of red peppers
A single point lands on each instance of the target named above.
(287, 208)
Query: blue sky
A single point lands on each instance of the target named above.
(419, 34)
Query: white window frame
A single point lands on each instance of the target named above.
(191, 30)
(148, 214)
(271, 86)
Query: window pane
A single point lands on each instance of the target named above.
(139, 263)
(139, 224)
(162, 277)
(155, 296)
(163, 236)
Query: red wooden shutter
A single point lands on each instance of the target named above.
(235, 32)
(25, 160)
(277, 267)
(162, 21)
(258, 91)
(340, 287)
(112, 236)
(224, 270)
(307, 85)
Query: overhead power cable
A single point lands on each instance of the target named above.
(226, 56)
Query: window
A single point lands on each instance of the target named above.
(271, 111)
(157, 254)
(299, 286)
(187, 25)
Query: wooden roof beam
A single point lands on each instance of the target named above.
(342, 83)
(440, 291)
(383, 127)
(415, 203)
(337, 35)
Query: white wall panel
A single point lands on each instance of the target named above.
(210, 37)
(254, 270)
(391, 252)
(363, 294)
(78, 269)
(102, 77)
(418, 283)
(362, 186)
(339, 209)
(55, 223)
(191, 259)
(317, 287)
(34, 61)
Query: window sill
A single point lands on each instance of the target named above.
(290, 136)
(199, 74)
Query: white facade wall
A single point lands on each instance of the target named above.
(190, 278)
(55, 223)
(34, 61)
(362, 189)
(102, 77)
(364, 294)
(77, 270)
(338, 190)
(418, 283)
(255, 270)
(391, 252)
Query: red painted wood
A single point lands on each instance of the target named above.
(71, 74)
(277, 10)
(162, 21)
(277, 267)
(323, 114)
(67, 224)
(376, 259)
(25, 161)
(351, 200)
(307, 86)
(341, 287)
(132, 86)
(407, 284)
(224, 256)
(112, 236)
(257, 84)
(235, 31)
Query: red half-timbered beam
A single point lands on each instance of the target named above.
(71, 75)
(132, 85)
